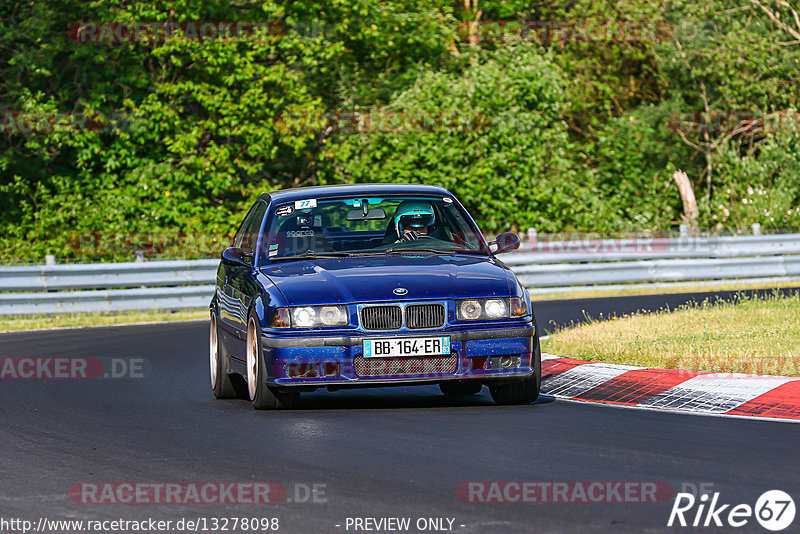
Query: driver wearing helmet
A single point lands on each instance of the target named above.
(413, 219)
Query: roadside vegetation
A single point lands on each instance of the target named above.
(757, 335)
(35, 322)
(578, 123)
(659, 289)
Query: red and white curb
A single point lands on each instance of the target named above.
(732, 394)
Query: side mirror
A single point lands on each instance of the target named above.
(506, 242)
(236, 256)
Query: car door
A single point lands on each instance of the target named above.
(238, 283)
(242, 279)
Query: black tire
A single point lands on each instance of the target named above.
(261, 395)
(219, 368)
(460, 389)
(521, 392)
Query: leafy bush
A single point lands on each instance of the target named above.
(630, 165)
(757, 186)
(507, 161)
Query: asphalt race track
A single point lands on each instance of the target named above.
(396, 452)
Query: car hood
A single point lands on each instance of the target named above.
(373, 278)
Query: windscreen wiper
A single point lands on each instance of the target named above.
(395, 250)
(312, 254)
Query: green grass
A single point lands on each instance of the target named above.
(643, 289)
(746, 335)
(10, 324)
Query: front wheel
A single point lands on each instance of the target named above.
(261, 395)
(521, 392)
(220, 379)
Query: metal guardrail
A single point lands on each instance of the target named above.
(107, 275)
(582, 274)
(598, 250)
(161, 298)
(541, 266)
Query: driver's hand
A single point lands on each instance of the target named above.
(411, 236)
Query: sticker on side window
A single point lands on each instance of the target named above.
(284, 211)
(305, 204)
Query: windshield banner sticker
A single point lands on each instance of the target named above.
(305, 204)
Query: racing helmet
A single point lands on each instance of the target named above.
(413, 214)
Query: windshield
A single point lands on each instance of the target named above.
(369, 225)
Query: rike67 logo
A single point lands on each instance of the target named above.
(774, 510)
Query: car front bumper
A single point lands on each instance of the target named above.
(328, 359)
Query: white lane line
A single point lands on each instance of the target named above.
(582, 378)
(708, 393)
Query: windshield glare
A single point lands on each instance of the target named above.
(369, 225)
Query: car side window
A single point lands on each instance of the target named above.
(237, 238)
(247, 237)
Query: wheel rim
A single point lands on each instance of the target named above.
(252, 360)
(213, 351)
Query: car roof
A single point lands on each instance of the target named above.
(326, 191)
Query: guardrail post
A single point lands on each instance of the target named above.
(50, 259)
(684, 231)
(756, 228)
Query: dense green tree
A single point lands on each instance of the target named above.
(560, 129)
(494, 134)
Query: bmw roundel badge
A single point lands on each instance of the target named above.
(400, 291)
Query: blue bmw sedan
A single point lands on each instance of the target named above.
(368, 285)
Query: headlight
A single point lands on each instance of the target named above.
(502, 308)
(309, 317)
(470, 309)
(333, 315)
(495, 308)
(303, 317)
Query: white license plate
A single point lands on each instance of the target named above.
(407, 346)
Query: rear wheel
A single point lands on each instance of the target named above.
(261, 395)
(220, 379)
(457, 389)
(521, 392)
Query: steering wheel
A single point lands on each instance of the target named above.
(413, 236)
